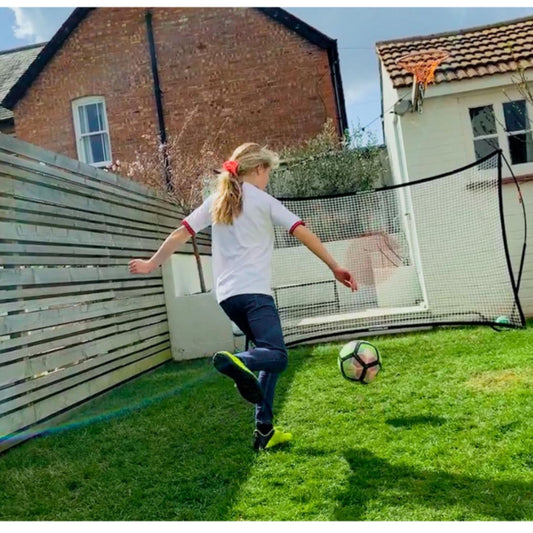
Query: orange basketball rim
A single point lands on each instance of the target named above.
(422, 64)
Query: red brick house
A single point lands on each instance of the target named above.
(111, 75)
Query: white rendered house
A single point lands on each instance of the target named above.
(473, 107)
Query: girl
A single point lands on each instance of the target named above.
(242, 216)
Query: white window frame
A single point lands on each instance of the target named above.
(81, 102)
(496, 99)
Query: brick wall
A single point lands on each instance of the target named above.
(250, 78)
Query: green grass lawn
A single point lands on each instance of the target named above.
(444, 433)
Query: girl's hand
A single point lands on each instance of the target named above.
(141, 266)
(345, 277)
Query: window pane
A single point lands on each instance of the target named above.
(100, 107)
(485, 147)
(94, 117)
(96, 148)
(83, 119)
(107, 150)
(482, 119)
(521, 148)
(516, 116)
(87, 153)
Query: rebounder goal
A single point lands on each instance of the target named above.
(428, 252)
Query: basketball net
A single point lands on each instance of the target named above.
(422, 66)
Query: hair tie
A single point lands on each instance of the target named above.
(231, 166)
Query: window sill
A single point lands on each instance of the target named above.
(102, 165)
(521, 179)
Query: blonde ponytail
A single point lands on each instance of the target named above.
(248, 156)
(228, 203)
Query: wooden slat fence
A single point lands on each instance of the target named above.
(73, 321)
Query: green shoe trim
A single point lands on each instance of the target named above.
(238, 362)
(279, 437)
(245, 380)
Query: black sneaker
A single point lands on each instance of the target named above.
(245, 380)
(269, 440)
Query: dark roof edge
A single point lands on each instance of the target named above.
(21, 48)
(454, 32)
(336, 78)
(323, 41)
(299, 26)
(54, 44)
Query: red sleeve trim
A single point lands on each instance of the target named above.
(295, 225)
(187, 226)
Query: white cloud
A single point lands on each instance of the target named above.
(34, 25)
(358, 92)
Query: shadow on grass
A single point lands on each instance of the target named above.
(410, 421)
(173, 444)
(375, 481)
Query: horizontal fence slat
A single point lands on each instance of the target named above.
(59, 178)
(39, 193)
(76, 289)
(53, 317)
(12, 206)
(47, 276)
(30, 368)
(16, 146)
(50, 160)
(45, 303)
(15, 210)
(74, 375)
(74, 250)
(31, 232)
(43, 370)
(34, 232)
(35, 413)
(34, 189)
(122, 213)
(16, 216)
(41, 304)
(33, 260)
(57, 260)
(68, 335)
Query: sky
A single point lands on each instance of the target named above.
(356, 30)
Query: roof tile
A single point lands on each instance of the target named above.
(474, 52)
(12, 65)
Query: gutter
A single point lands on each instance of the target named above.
(158, 100)
(381, 100)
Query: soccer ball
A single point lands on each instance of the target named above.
(359, 361)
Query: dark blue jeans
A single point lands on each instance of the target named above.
(257, 317)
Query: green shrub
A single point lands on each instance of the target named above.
(327, 165)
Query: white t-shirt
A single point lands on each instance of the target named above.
(242, 251)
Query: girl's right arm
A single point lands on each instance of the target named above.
(171, 244)
(309, 239)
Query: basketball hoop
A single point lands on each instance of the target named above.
(422, 66)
